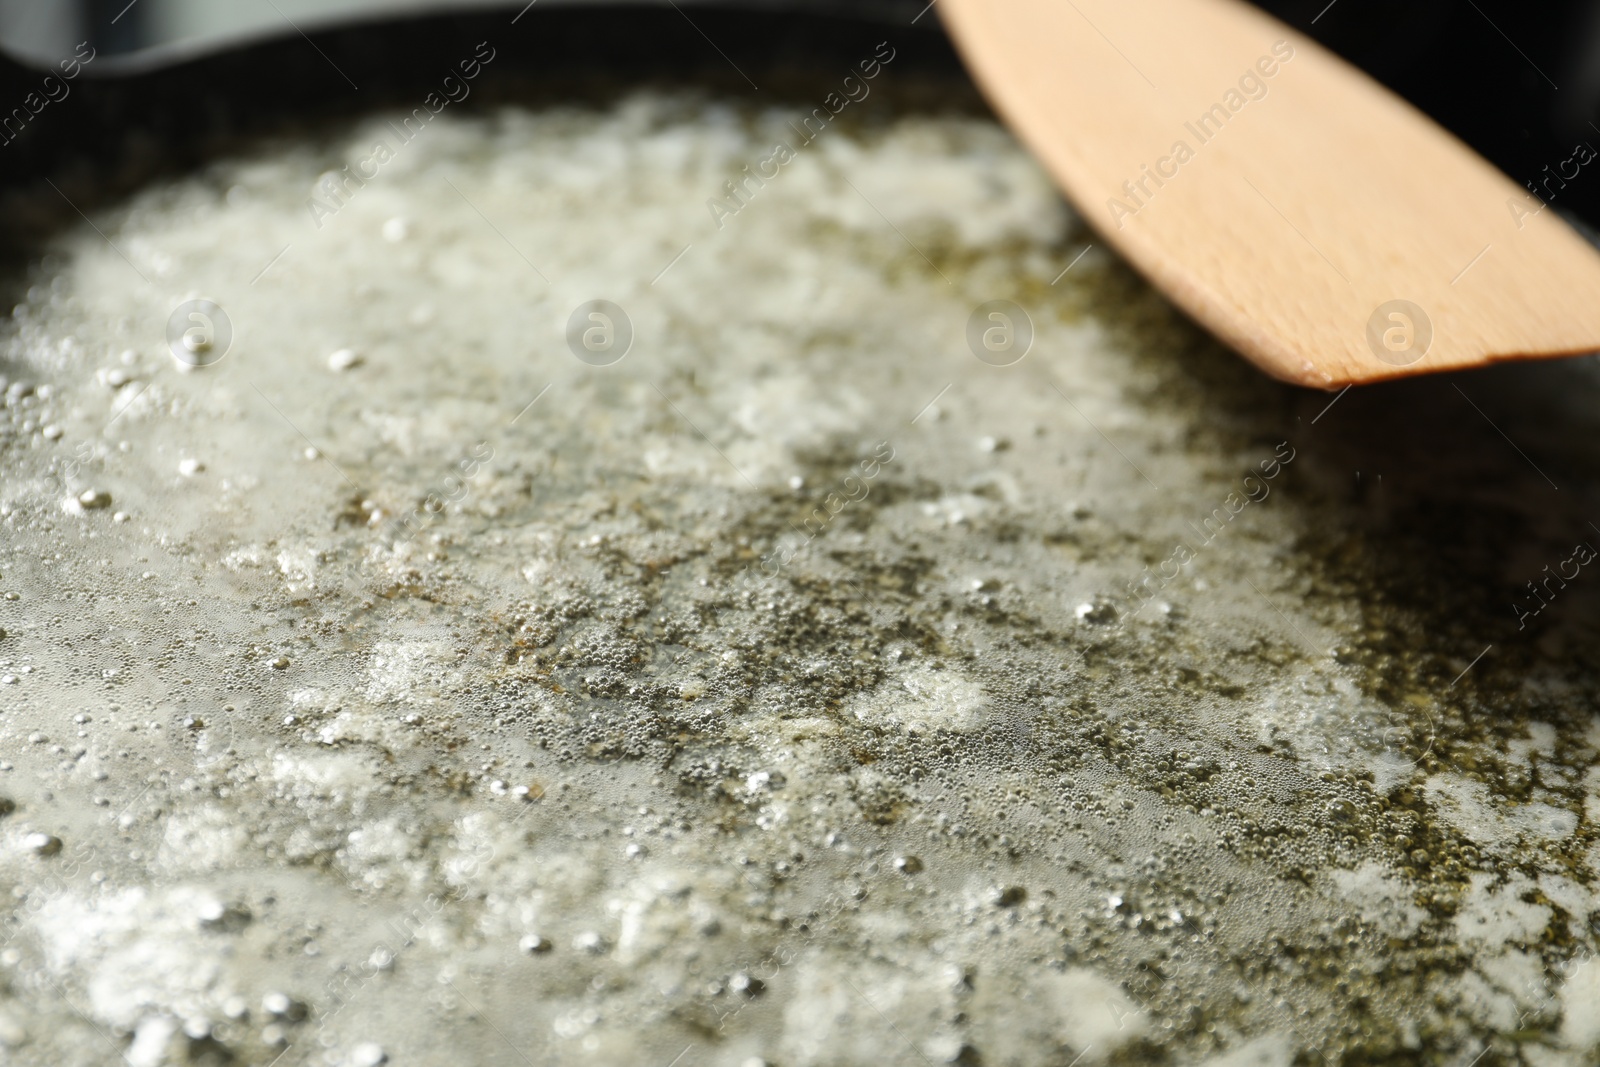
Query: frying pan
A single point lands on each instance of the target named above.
(131, 120)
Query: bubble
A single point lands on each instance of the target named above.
(203, 738)
(283, 1006)
(344, 359)
(41, 844)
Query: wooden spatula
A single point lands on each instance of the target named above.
(1308, 217)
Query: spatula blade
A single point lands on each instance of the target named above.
(1308, 217)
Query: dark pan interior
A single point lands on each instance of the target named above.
(1522, 91)
(112, 134)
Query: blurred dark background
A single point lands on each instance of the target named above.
(1520, 82)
